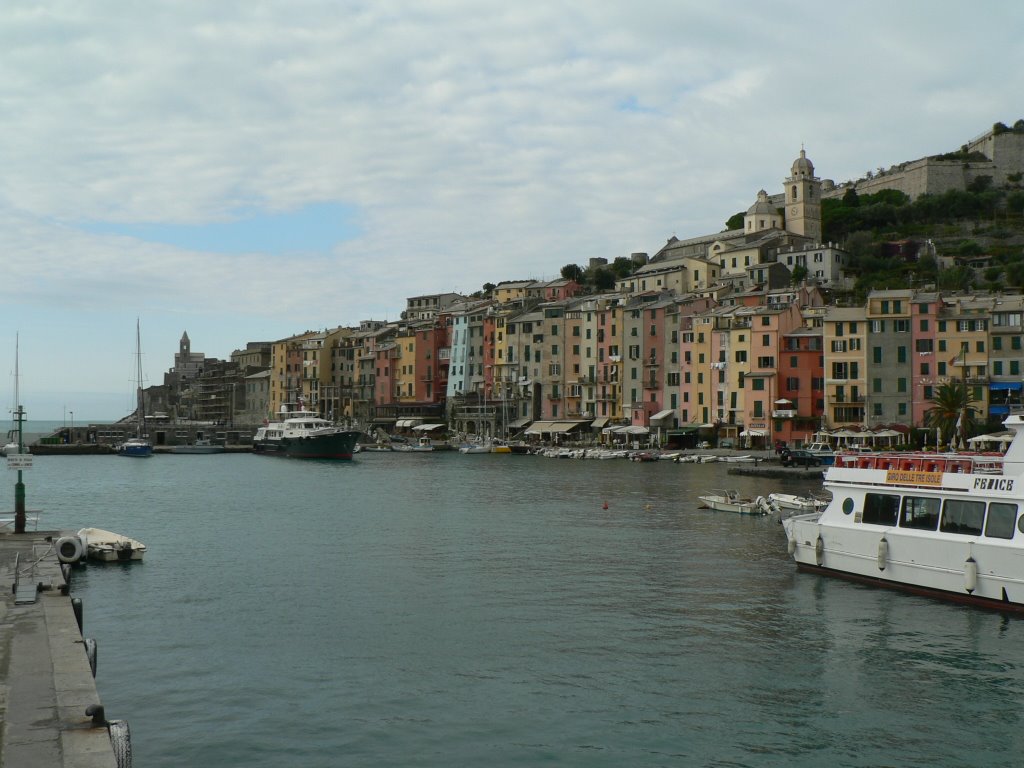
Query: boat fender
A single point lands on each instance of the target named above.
(90, 653)
(819, 551)
(883, 553)
(971, 575)
(69, 549)
(791, 546)
(121, 742)
(76, 606)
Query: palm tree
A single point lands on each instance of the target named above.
(950, 403)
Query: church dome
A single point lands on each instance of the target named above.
(802, 167)
(762, 206)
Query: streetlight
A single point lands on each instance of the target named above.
(72, 425)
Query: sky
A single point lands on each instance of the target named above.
(247, 170)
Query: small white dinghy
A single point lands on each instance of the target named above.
(109, 547)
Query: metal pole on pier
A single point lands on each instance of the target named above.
(19, 487)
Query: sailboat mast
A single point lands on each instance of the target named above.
(140, 411)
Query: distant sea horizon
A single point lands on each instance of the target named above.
(33, 429)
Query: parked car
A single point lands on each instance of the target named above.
(799, 458)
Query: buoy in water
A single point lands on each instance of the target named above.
(971, 575)
(605, 505)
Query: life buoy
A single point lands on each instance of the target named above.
(69, 549)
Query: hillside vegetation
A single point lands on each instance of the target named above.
(979, 221)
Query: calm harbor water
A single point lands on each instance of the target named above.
(450, 610)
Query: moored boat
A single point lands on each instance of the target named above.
(943, 525)
(731, 501)
(302, 434)
(109, 547)
(790, 502)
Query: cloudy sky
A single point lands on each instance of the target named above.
(246, 170)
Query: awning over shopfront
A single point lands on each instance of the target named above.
(406, 423)
(428, 427)
(630, 429)
(688, 429)
(599, 422)
(520, 423)
(662, 415)
(540, 428)
(1012, 386)
(753, 433)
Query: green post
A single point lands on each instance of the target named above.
(19, 487)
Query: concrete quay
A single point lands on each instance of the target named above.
(46, 681)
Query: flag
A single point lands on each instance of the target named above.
(958, 359)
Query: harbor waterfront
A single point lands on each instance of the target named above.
(434, 609)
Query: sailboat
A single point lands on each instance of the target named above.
(13, 446)
(138, 446)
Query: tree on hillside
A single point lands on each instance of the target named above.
(955, 279)
(735, 221)
(949, 405)
(622, 267)
(850, 198)
(573, 272)
(603, 279)
(799, 274)
(489, 288)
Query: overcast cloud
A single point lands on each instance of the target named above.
(379, 150)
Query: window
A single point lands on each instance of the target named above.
(1001, 518)
(964, 517)
(924, 345)
(901, 326)
(876, 355)
(757, 385)
(878, 326)
(920, 513)
(901, 354)
(880, 509)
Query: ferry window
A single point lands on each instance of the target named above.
(920, 512)
(847, 506)
(880, 509)
(964, 517)
(1001, 518)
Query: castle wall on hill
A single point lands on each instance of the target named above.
(1006, 156)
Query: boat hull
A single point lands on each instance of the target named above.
(137, 449)
(335, 445)
(961, 598)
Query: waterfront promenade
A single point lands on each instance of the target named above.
(47, 683)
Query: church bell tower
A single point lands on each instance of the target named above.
(803, 199)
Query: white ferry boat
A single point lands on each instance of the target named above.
(943, 525)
